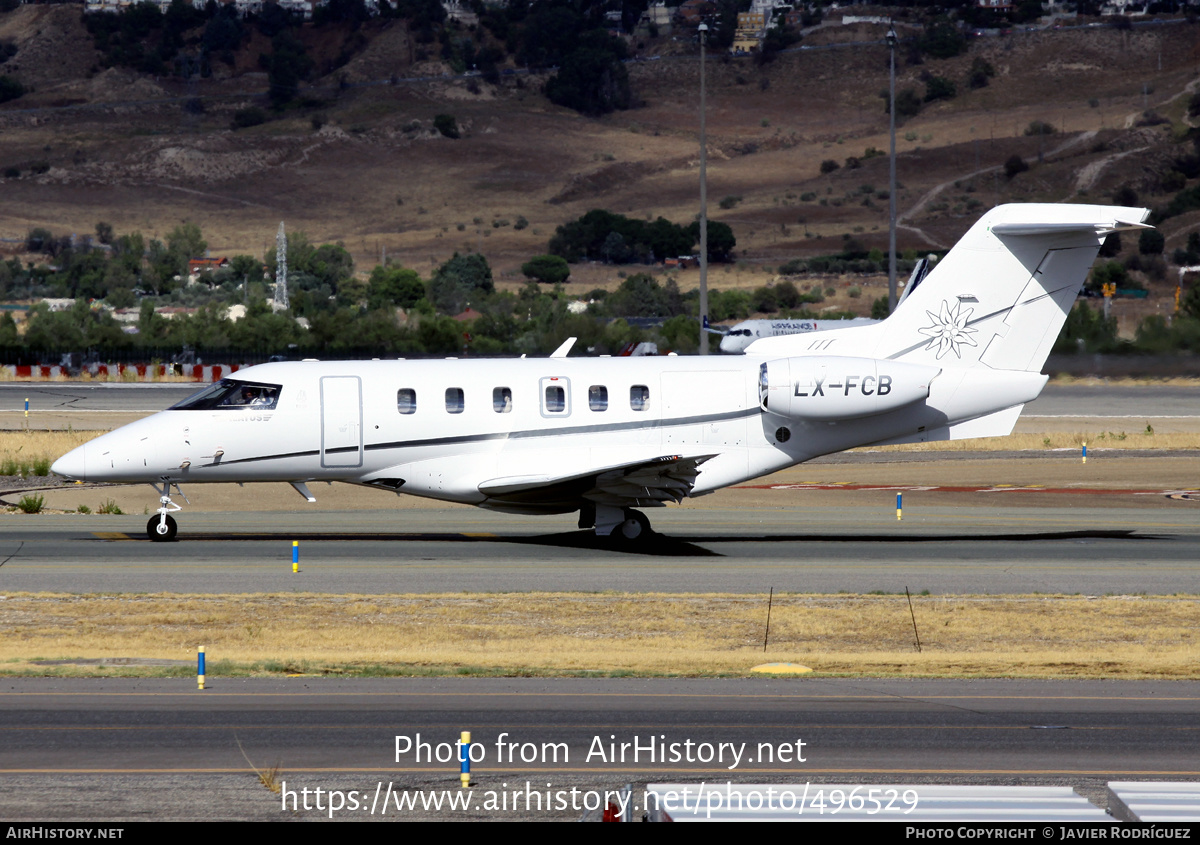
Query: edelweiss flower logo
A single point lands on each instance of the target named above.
(949, 331)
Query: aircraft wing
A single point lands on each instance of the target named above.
(646, 483)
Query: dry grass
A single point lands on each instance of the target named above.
(577, 633)
(26, 452)
(267, 777)
(1098, 381)
(1043, 441)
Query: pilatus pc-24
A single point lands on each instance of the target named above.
(605, 437)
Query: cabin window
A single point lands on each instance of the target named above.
(598, 397)
(406, 400)
(556, 396)
(639, 397)
(227, 394)
(501, 400)
(454, 400)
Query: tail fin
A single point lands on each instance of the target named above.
(1001, 295)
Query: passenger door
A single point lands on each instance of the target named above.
(341, 421)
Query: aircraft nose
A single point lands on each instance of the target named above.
(72, 465)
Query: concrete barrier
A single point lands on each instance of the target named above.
(127, 372)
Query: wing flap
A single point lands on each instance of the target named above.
(666, 478)
(669, 477)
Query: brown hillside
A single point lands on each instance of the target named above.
(366, 168)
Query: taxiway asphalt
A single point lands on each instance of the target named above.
(161, 749)
(839, 545)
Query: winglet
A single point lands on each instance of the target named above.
(562, 351)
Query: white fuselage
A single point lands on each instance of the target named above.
(341, 421)
(521, 421)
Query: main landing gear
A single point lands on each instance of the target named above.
(634, 527)
(162, 527)
(623, 527)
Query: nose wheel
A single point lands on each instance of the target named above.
(162, 528)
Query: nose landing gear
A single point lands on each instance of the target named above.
(162, 527)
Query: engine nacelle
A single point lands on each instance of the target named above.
(829, 387)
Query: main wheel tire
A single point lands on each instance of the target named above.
(635, 528)
(161, 530)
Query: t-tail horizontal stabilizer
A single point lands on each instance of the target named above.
(1001, 295)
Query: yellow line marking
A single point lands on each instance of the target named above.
(111, 535)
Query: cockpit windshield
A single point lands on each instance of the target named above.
(228, 393)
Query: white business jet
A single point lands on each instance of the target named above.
(740, 336)
(959, 358)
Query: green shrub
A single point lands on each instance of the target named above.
(981, 71)
(10, 89)
(109, 506)
(1151, 242)
(447, 125)
(84, 509)
(549, 269)
(41, 466)
(247, 117)
(939, 88)
(908, 104)
(1014, 165)
(31, 503)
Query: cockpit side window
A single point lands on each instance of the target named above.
(229, 393)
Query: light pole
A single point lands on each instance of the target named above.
(703, 29)
(891, 41)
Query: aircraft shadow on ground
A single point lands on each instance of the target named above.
(662, 545)
(684, 546)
